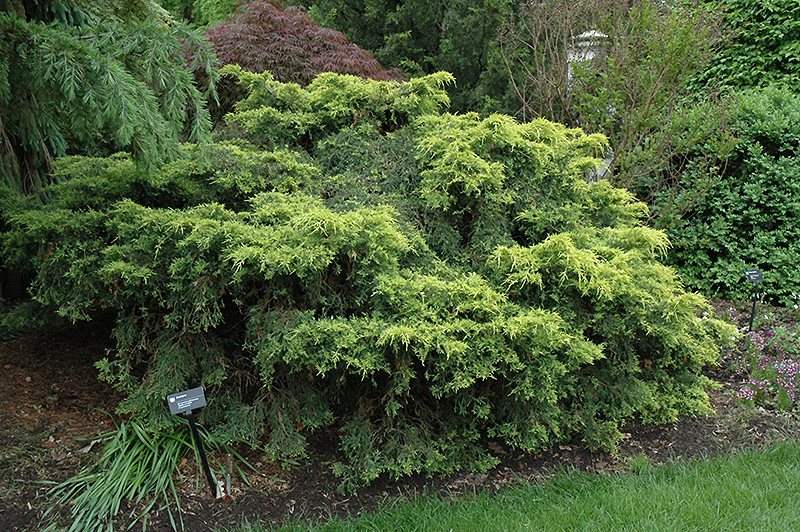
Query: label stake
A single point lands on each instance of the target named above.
(183, 403)
(755, 277)
(198, 442)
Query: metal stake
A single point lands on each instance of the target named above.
(228, 469)
(754, 276)
(199, 444)
(753, 311)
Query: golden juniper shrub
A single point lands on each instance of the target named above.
(421, 289)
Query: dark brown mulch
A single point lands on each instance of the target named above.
(52, 406)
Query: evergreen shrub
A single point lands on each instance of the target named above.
(420, 283)
(749, 218)
(763, 49)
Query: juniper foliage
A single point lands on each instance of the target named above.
(419, 282)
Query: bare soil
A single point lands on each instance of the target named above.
(52, 406)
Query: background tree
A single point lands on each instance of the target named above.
(200, 12)
(765, 48)
(422, 37)
(94, 78)
(622, 68)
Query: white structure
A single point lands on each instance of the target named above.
(585, 47)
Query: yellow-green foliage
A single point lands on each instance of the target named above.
(277, 113)
(419, 288)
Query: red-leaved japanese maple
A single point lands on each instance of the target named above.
(260, 37)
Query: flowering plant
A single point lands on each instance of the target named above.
(773, 367)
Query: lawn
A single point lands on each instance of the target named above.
(752, 491)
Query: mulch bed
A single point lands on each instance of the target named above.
(52, 406)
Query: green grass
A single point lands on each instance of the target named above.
(757, 491)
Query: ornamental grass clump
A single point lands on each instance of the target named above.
(135, 475)
(772, 369)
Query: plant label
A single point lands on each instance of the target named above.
(754, 276)
(186, 401)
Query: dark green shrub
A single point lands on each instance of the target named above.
(417, 281)
(749, 219)
(764, 50)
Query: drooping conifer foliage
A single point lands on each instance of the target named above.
(87, 77)
(417, 282)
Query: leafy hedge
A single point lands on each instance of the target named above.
(419, 282)
(764, 49)
(749, 218)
